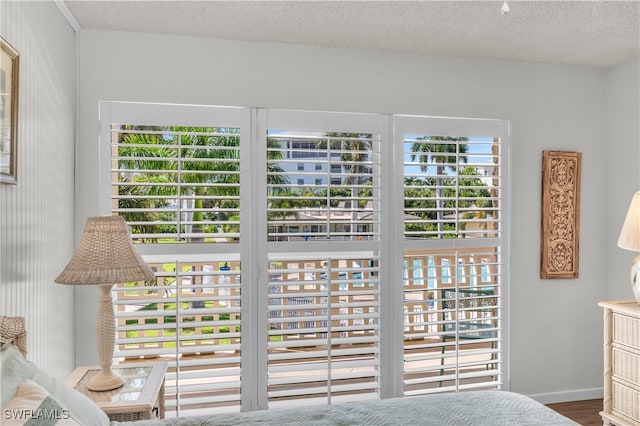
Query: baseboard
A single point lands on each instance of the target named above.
(567, 396)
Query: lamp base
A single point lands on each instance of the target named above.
(105, 381)
(635, 278)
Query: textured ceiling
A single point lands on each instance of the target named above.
(589, 33)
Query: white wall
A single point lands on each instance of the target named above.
(556, 326)
(622, 139)
(37, 214)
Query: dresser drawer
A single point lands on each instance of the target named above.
(626, 402)
(621, 403)
(626, 330)
(626, 365)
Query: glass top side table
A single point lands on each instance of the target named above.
(140, 398)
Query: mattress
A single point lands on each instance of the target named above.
(478, 408)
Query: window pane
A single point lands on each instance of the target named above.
(452, 327)
(190, 318)
(177, 184)
(321, 310)
(334, 197)
(452, 186)
(323, 328)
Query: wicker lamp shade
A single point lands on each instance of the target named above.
(105, 255)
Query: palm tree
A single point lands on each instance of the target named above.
(141, 191)
(355, 151)
(154, 158)
(475, 196)
(199, 146)
(209, 163)
(282, 201)
(445, 156)
(276, 178)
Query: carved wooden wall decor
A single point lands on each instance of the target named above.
(559, 248)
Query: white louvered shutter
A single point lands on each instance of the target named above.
(307, 257)
(323, 233)
(175, 178)
(454, 182)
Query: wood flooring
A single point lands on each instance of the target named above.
(585, 413)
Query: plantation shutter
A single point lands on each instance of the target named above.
(453, 227)
(177, 183)
(323, 328)
(175, 178)
(323, 244)
(320, 186)
(307, 257)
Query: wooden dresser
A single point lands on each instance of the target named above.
(621, 405)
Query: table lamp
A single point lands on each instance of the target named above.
(105, 256)
(630, 240)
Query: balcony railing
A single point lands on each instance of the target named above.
(316, 311)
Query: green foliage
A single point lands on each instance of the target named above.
(426, 201)
(210, 156)
(181, 159)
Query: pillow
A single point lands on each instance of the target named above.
(14, 369)
(32, 403)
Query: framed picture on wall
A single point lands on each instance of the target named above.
(9, 74)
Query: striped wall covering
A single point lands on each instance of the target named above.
(36, 214)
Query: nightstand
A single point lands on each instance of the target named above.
(621, 404)
(141, 397)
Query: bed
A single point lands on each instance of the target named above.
(477, 408)
(480, 408)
